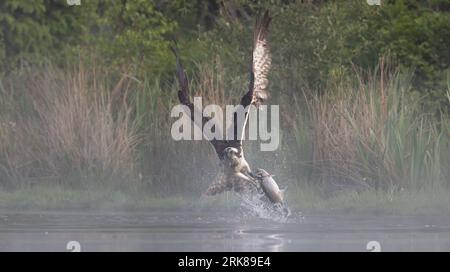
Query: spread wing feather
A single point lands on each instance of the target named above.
(183, 97)
(260, 66)
(257, 89)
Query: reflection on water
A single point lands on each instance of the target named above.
(177, 231)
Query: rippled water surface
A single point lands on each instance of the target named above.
(200, 231)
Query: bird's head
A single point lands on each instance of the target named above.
(231, 152)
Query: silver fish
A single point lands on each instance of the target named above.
(270, 187)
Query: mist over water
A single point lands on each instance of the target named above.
(223, 231)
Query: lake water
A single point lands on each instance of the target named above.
(226, 231)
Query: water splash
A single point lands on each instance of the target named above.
(258, 205)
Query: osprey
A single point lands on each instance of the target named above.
(237, 174)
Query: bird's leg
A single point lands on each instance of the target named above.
(248, 178)
(242, 176)
(250, 173)
(247, 172)
(257, 181)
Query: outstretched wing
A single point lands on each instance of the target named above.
(261, 61)
(260, 66)
(183, 97)
(257, 89)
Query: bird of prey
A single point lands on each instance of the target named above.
(237, 174)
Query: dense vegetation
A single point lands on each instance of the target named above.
(86, 92)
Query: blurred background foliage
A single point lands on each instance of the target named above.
(327, 37)
(339, 65)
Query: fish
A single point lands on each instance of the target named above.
(270, 187)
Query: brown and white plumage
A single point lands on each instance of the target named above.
(259, 70)
(230, 152)
(261, 61)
